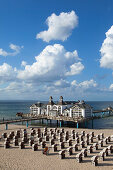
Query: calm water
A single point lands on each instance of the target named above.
(8, 109)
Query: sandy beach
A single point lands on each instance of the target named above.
(27, 159)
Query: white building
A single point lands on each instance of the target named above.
(81, 109)
(70, 109)
(38, 108)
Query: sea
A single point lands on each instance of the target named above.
(8, 110)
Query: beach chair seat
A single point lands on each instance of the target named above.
(70, 150)
(110, 149)
(35, 147)
(62, 145)
(90, 149)
(106, 151)
(75, 146)
(91, 139)
(31, 142)
(95, 146)
(21, 145)
(83, 133)
(100, 143)
(92, 134)
(105, 140)
(52, 142)
(76, 134)
(6, 144)
(77, 140)
(98, 137)
(102, 155)
(54, 147)
(86, 141)
(79, 157)
(62, 154)
(47, 138)
(102, 135)
(4, 135)
(43, 144)
(15, 142)
(82, 144)
(94, 160)
(73, 136)
(84, 152)
(70, 142)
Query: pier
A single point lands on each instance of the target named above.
(59, 119)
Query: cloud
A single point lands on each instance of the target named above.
(85, 84)
(106, 50)
(24, 63)
(13, 47)
(7, 73)
(52, 64)
(62, 83)
(75, 68)
(59, 27)
(111, 87)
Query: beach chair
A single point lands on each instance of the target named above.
(90, 149)
(46, 150)
(70, 142)
(60, 139)
(98, 137)
(40, 139)
(84, 152)
(76, 134)
(86, 141)
(94, 160)
(35, 147)
(54, 147)
(6, 144)
(21, 145)
(110, 149)
(83, 133)
(102, 155)
(91, 139)
(62, 145)
(70, 150)
(43, 144)
(102, 135)
(92, 134)
(82, 144)
(87, 135)
(81, 137)
(95, 146)
(105, 140)
(73, 132)
(75, 146)
(47, 138)
(73, 136)
(79, 157)
(66, 137)
(15, 142)
(4, 135)
(62, 154)
(106, 151)
(52, 141)
(100, 143)
(31, 142)
(77, 140)
(54, 136)
(62, 130)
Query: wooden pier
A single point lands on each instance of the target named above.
(59, 119)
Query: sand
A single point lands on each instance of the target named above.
(27, 159)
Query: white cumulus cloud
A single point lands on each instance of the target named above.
(13, 47)
(59, 27)
(7, 73)
(52, 64)
(106, 50)
(84, 84)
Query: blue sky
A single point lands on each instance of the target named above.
(56, 48)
